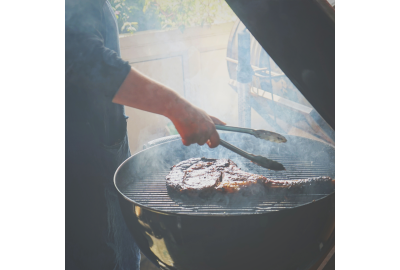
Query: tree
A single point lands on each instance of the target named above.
(124, 10)
(137, 15)
(185, 13)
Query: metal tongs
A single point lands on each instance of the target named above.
(261, 134)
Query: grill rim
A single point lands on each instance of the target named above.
(326, 197)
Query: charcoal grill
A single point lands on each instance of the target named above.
(268, 233)
(150, 191)
(272, 233)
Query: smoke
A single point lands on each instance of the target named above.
(146, 172)
(194, 63)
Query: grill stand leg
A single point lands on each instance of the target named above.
(326, 259)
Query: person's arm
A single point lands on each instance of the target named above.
(102, 73)
(193, 124)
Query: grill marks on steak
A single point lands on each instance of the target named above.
(203, 176)
(197, 175)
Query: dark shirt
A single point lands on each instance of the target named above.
(93, 68)
(95, 142)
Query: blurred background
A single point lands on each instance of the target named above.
(192, 47)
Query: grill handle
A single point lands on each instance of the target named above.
(259, 160)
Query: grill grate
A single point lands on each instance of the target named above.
(151, 191)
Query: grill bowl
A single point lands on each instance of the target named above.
(264, 234)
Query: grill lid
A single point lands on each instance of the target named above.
(300, 38)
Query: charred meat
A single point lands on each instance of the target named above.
(204, 176)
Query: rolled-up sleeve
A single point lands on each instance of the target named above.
(87, 61)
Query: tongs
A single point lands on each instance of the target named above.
(261, 134)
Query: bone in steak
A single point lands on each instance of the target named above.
(205, 176)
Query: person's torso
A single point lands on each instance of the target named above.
(106, 119)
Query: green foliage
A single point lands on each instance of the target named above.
(185, 13)
(138, 15)
(124, 10)
(129, 26)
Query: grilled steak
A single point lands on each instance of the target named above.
(202, 177)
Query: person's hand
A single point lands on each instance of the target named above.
(195, 125)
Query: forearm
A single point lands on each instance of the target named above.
(193, 124)
(141, 92)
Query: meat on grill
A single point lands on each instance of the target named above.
(204, 176)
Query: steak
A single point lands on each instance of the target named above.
(203, 177)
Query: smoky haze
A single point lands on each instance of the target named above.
(142, 177)
(194, 63)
